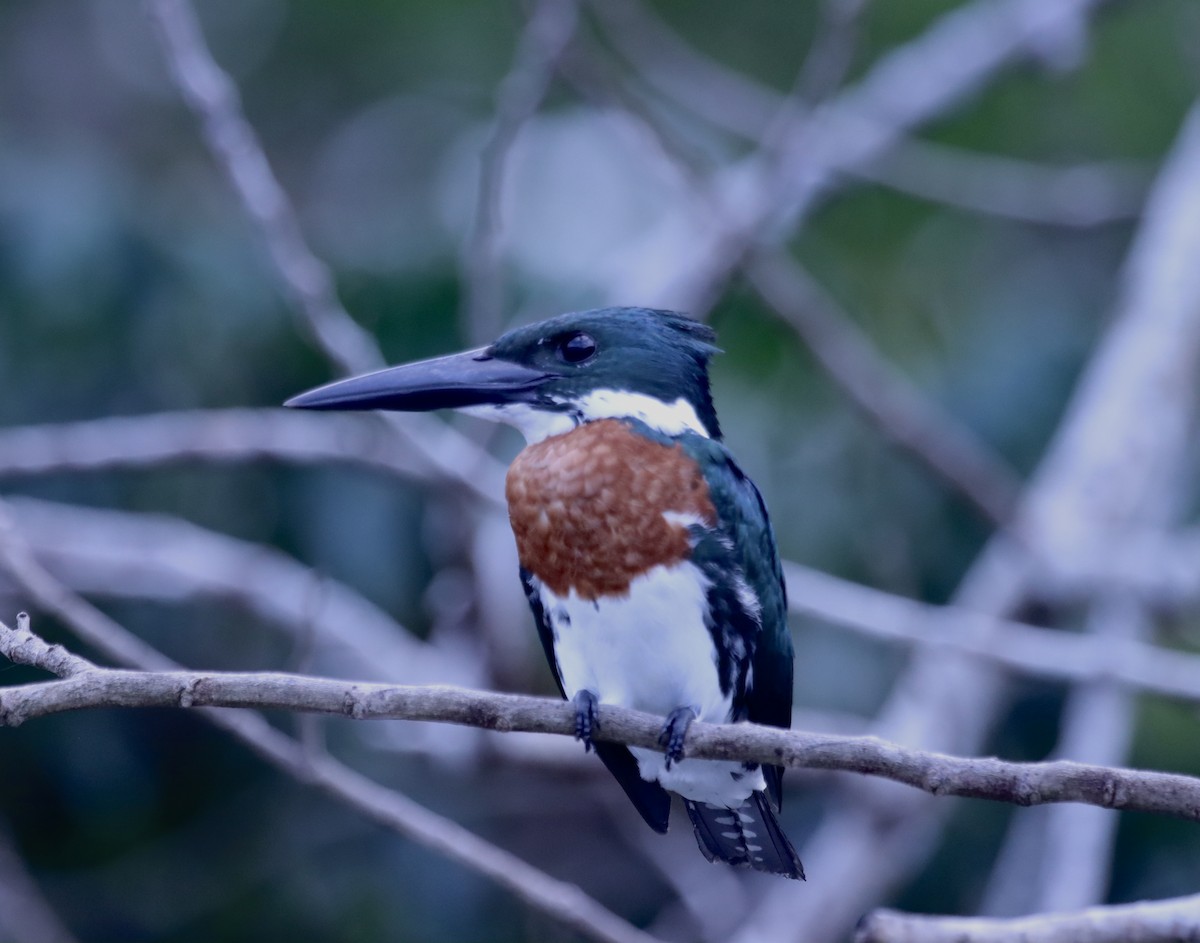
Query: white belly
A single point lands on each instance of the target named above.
(652, 651)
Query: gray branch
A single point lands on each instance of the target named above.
(545, 39)
(120, 554)
(1119, 443)
(942, 775)
(213, 97)
(221, 436)
(898, 409)
(910, 86)
(1027, 649)
(1163, 921)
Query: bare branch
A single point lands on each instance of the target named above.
(1028, 649)
(832, 51)
(1118, 460)
(1086, 194)
(1135, 444)
(910, 86)
(1119, 444)
(899, 410)
(939, 774)
(22, 647)
(542, 44)
(227, 435)
(674, 69)
(564, 902)
(118, 554)
(213, 97)
(1163, 921)
(903, 414)
(1096, 727)
(1089, 194)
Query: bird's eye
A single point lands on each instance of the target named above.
(576, 348)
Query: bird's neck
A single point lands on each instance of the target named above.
(537, 422)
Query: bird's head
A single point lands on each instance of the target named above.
(547, 378)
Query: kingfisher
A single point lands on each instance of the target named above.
(645, 552)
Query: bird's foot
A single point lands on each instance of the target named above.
(674, 732)
(587, 718)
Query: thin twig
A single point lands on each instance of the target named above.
(1026, 649)
(223, 435)
(543, 42)
(1160, 921)
(939, 774)
(899, 410)
(119, 554)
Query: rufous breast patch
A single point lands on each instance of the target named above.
(594, 508)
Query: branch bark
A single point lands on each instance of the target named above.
(1026, 649)
(938, 774)
(1162, 921)
(227, 435)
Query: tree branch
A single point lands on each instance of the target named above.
(939, 774)
(1077, 195)
(1145, 922)
(899, 410)
(120, 554)
(227, 435)
(213, 97)
(1118, 443)
(910, 86)
(543, 42)
(1028, 649)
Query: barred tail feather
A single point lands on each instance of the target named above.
(747, 836)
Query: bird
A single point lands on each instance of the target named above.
(646, 553)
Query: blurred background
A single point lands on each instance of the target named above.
(910, 223)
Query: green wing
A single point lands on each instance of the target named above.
(743, 544)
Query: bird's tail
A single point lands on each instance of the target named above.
(747, 836)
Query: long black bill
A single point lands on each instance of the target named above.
(472, 378)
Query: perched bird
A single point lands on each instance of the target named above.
(646, 554)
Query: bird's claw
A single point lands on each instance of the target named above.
(587, 718)
(674, 733)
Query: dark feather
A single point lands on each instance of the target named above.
(744, 543)
(749, 836)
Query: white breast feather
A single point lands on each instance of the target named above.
(651, 651)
